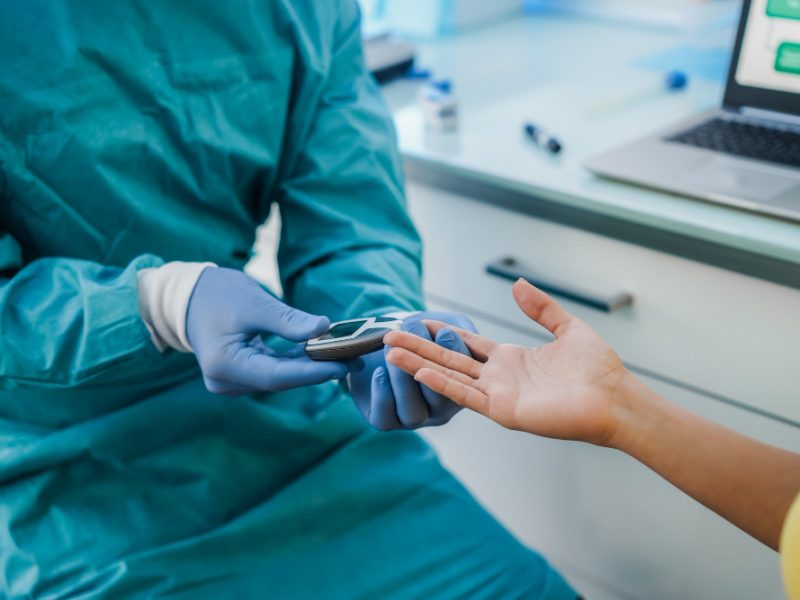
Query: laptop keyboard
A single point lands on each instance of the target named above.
(747, 140)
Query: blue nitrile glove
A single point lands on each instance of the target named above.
(227, 315)
(389, 398)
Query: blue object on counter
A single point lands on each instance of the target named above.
(445, 86)
(676, 81)
(543, 139)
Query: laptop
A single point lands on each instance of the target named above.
(747, 153)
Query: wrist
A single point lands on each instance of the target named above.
(164, 295)
(634, 411)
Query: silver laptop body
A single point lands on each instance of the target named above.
(763, 91)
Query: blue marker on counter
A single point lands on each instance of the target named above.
(542, 138)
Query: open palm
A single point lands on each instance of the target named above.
(564, 389)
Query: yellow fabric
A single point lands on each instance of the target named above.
(790, 551)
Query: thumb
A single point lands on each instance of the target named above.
(541, 308)
(273, 316)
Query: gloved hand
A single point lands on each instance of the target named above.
(227, 314)
(389, 398)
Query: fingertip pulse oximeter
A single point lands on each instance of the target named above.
(350, 339)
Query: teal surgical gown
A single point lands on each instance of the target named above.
(134, 133)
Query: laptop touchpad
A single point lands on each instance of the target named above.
(730, 178)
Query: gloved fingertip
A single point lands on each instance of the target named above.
(416, 327)
(317, 325)
(410, 323)
(302, 326)
(446, 336)
(381, 375)
(291, 323)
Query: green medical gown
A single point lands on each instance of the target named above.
(134, 133)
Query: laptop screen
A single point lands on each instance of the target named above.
(766, 64)
(770, 55)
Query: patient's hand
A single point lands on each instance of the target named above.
(565, 389)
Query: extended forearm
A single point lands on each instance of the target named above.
(749, 483)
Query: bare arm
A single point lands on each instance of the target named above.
(749, 483)
(577, 388)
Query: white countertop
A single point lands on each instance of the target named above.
(553, 71)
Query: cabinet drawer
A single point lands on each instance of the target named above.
(720, 331)
(612, 526)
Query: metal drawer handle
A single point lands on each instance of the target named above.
(508, 268)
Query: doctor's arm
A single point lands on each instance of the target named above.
(348, 247)
(68, 323)
(78, 327)
(577, 388)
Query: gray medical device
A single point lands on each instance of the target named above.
(350, 339)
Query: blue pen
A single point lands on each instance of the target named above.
(542, 138)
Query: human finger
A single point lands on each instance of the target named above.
(457, 391)
(435, 353)
(412, 363)
(541, 308)
(479, 346)
(442, 407)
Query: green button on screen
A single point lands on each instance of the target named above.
(788, 59)
(784, 9)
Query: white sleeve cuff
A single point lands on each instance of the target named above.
(164, 294)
